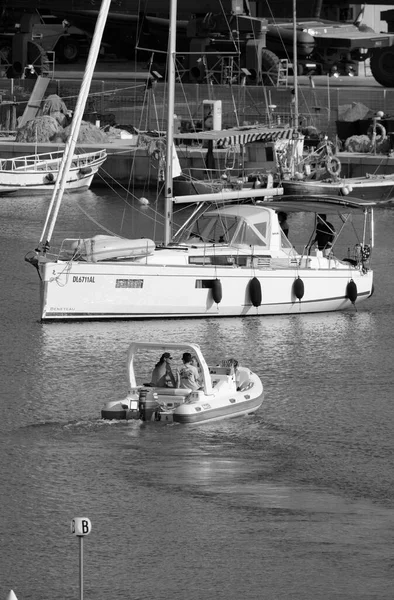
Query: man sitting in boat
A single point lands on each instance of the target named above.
(189, 376)
(325, 234)
(162, 375)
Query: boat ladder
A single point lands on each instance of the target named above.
(227, 70)
(283, 72)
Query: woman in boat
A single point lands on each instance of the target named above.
(162, 375)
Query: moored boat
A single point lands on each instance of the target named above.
(226, 390)
(207, 269)
(38, 173)
(230, 258)
(369, 187)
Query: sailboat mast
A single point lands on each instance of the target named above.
(168, 193)
(69, 150)
(295, 64)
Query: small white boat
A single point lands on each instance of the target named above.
(37, 173)
(227, 390)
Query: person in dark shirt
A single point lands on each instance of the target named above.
(282, 218)
(325, 233)
(162, 375)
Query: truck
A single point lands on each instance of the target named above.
(339, 48)
(28, 40)
(260, 45)
(234, 45)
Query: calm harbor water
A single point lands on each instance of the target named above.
(295, 502)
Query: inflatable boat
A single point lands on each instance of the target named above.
(226, 390)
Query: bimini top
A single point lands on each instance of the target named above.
(162, 347)
(320, 204)
(251, 212)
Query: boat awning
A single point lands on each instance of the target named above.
(241, 136)
(319, 204)
(165, 347)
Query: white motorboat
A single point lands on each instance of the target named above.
(38, 173)
(234, 260)
(227, 390)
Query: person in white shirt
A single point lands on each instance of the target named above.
(189, 376)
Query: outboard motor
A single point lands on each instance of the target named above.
(147, 404)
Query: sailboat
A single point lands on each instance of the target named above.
(232, 259)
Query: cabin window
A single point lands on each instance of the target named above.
(218, 259)
(249, 236)
(262, 229)
(214, 230)
(285, 242)
(269, 153)
(129, 283)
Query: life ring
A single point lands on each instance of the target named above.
(333, 166)
(157, 149)
(379, 130)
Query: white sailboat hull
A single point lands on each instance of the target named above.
(110, 290)
(38, 173)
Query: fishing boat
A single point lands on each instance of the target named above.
(318, 172)
(38, 173)
(245, 157)
(229, 258)
(369, 187)
(226, 390)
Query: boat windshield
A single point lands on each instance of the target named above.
(285, 243)
(231, 229)
(247, 234)
(214, 229)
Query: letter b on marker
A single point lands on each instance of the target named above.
(81, 526)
